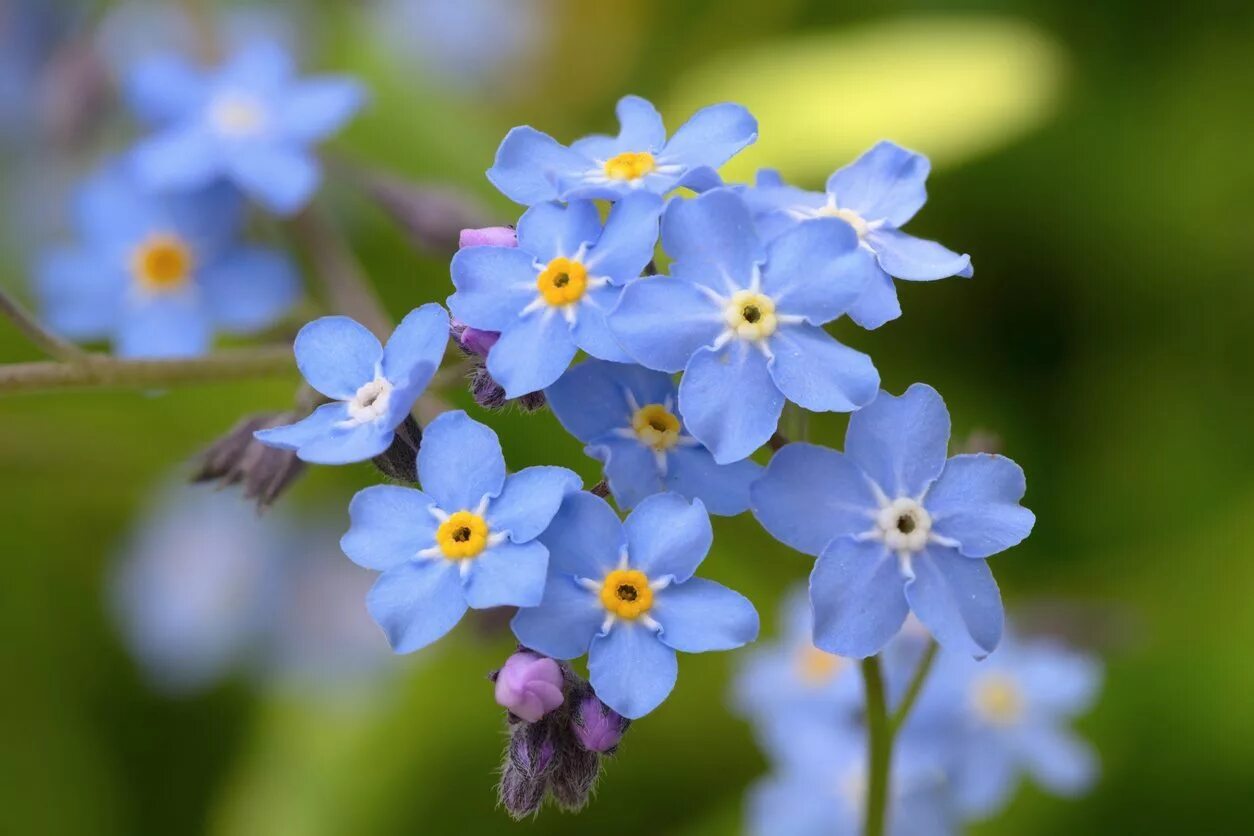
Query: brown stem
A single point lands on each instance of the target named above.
(49, 342)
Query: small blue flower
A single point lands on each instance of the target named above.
(250, 121)
(897, 527)
(624, 593)
(157, 275)
(743, 321)
(875, 194)
(628, 417)
(374, 388)
(549, 296)
(467, 539)
(532, 167)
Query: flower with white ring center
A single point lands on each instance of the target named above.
(371, 400)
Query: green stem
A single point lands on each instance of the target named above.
(879, 747)
(899, 716)
(348, 290)
(50, 343)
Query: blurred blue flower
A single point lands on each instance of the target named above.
(624, 593)
(250, 121)
(159, 274)
(467, 539)
(628, 417)
(549, 296)
(532, 167)
(897, 527)
(374, 387)
(875, 194)
(742, 321)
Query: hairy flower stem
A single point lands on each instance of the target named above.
(48, 342)
(879, 748)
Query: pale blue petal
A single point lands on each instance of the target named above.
(916, 259)
(529, 163)
(957, 599)
(389, 525)
(591, 331)
(729, 401)
(700, 179)
(1058, 760)
(886, 183)
(280, 178)
(249, 289)
(493, 285)
(631, 670)
(630, 468)
(337, 356)
(901, 441)
(529, 501)
(781, 805)
(976, 502)
(817, 270)
(549, 230)
(163, 88)
(348, 443)
(631, 232)
(319, 424)
(460, 462)
(532, 353)
(815, 371)
(668, 535)
(699, 615)
(168, 326)
(318, 107)
(714, 229)
(809, 495)
(261, 65)
(417, 603)
(563, 624)
(722, 488)
(178, 158)
(711, 137)
(79, 297)
(416, 347)
(507, 575)
(640, 125)
(877, 304)
(584, 538)
(1061, 682)
(986, 777)
(856, 593)
(591, 398)
(661, 321)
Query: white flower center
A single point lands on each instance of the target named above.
(849, 216)
(904, 525)
(237, 115)
(751, 315)
(997, 699)
(371, 401)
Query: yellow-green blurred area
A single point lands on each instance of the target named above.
(1094, 160)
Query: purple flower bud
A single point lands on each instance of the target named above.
(477, 342)
(598, 727)
(530, 686)
(489, 236)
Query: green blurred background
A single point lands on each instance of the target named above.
(1094, 160)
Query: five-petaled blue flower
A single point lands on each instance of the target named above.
(467, 539)
(157, 275)
(742, 321)
(897, 527)
(624, 593)
(250, 121)
(532, 167)
(628, 417)
(374, 388)
(549, 296)
(875, 194)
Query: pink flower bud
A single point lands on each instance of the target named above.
(489, 236)
(598, 727)
(530, 686)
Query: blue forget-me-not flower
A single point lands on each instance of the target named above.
(158, 274)
(629, 419)
(373, 387)
(742, 320)
(467, 539)
(624, 593)
(532, 167)
(897, 527)
(549, 296)
(250, 121)
(875, 194)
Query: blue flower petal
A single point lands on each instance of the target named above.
(348, 443)
(984, 782)
(591, 398)
(281, 178)
(722, 488)
(1061, 682)
(856, 593)
(711, 137)
(630, 468)
(529, 163)
(591, 331)
(179, 158)
(916, 259)
(261, 65)
(249, 289)
(417, 603)
(563, 624)
(699, 615)
(320, 423)
(976, 502)
(507, 575)
(886, 183)
(815, 371)
(460, 462)
(640, 125)
(532, 354)
(729, 401)
(389, 525)
(703, 178)
(530, 499)
(316, 108)
(585, 538)
(877, 304)
(810, 495)
(415, 349)
(549, 230)
(493, 285)
(174, 325)
(162, 88)
(668, 535)
(900, 442)
(626, 246)
(714, 230)
(661, 321)
(957, 599)
(337, 356)
(78, 296)
(817, 270)
(1058, 760)
(631, 670)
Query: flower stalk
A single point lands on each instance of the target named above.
(99, 371)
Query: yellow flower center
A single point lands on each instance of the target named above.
(562, 282)
(817, 667)
(656, 427)
(849, 216)
(998, 699)
(751, 315)
(463, 535)
(626, 593)
(237, 115)
(629, 165)
(163, 262)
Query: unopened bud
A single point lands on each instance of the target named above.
(529, 686)
(400, 460)
(471, 340)
(488, 236)
(239, 459)
(598, 727)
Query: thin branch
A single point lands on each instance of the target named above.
(898, 718)
(348, 290)
(49, 342)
